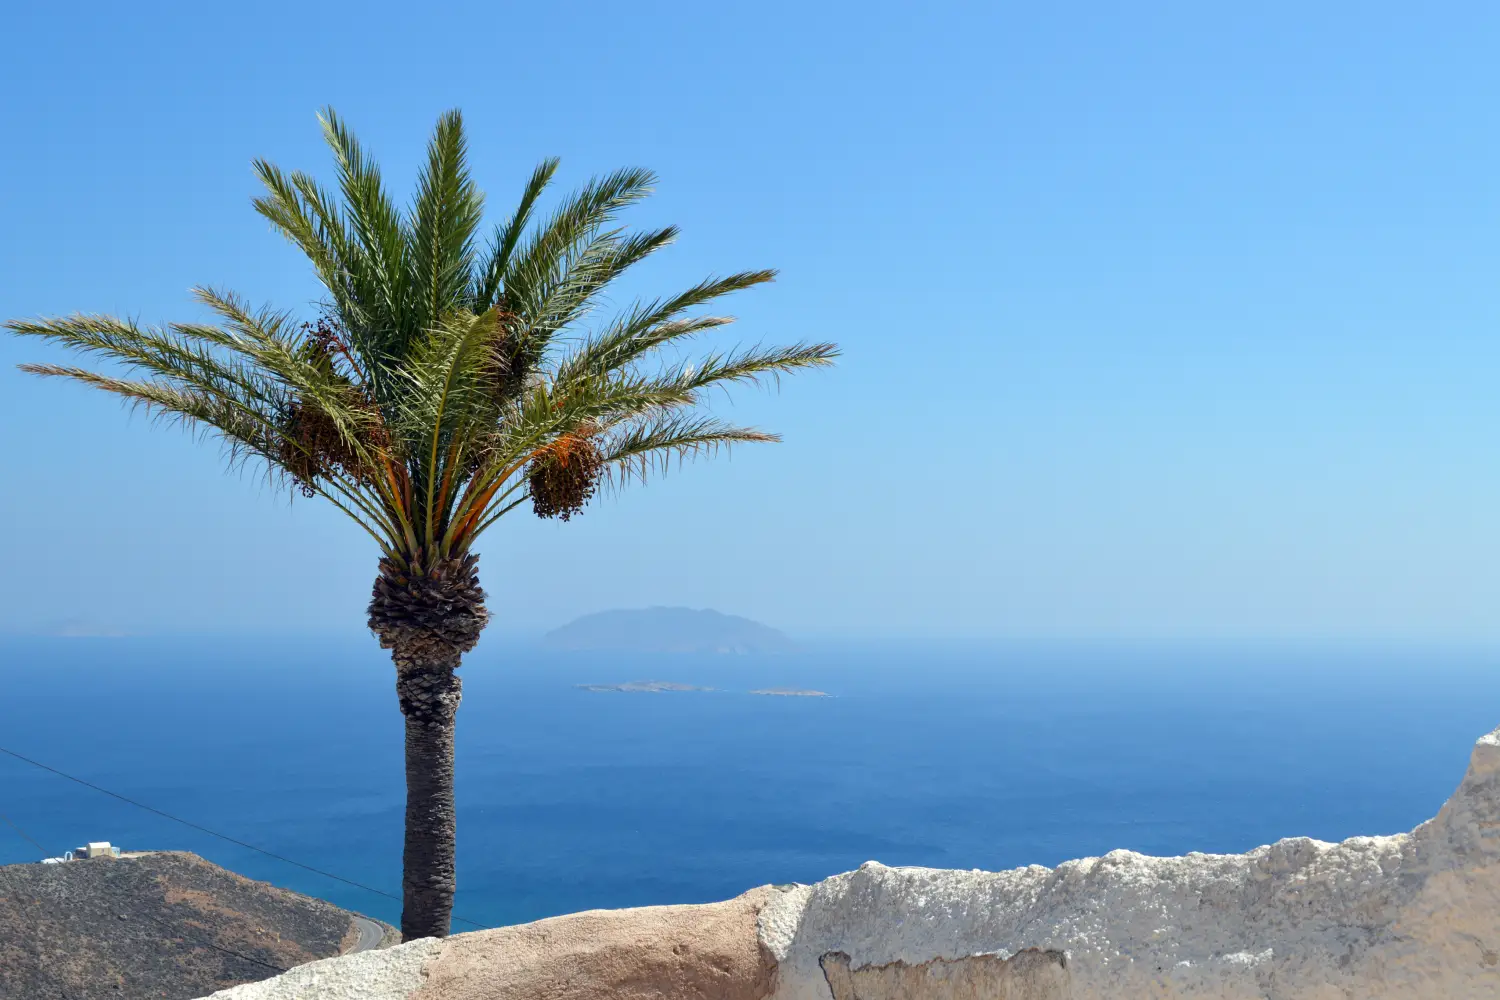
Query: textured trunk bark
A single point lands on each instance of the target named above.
(428, 617)
(429, 691)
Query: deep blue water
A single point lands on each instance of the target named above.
(953, 755)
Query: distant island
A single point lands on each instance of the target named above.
(791, 693)
(667, 630)
(647, 687)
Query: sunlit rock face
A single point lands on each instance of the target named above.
(1409, 916)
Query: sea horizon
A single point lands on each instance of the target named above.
(961, 754)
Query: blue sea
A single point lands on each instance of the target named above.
(959, 755)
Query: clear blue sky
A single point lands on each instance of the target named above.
(1167, 318)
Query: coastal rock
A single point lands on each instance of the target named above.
(648, 953)
(709, 951)
(392, 974)
(1030, 975)
(1407, 917)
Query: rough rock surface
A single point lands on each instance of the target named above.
(391, 974)
(1030, 975)
(1408, 917)
(708, 952)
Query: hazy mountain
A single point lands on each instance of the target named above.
(667, 630)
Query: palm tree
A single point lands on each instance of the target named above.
(445, 382)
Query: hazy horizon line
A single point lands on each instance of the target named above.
(826, 634)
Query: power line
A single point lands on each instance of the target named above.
(23, 833)
(222, 836)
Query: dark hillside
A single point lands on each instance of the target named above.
(163, 925)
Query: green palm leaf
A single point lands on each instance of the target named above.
(441, 370)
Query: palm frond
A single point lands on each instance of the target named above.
(639, 447)
(272, 340)
(649, 326)
(444, 220)
(750, 365)
(543, 260)
(444, 381)
(378, 229)
(240, 430)
(565, 296)
(312, 224)
(245, 438)
(508, 235)
(177, 353)
(447, 409)
(542, 415)
(306, 213)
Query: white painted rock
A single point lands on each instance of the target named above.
(1411, 916)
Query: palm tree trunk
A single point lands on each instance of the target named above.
(429, 693)
(428, 617)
